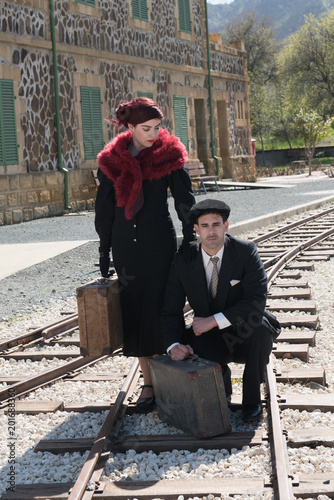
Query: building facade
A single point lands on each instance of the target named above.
(65, 65)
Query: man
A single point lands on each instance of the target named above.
(228, 296)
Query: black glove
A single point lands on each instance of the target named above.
(189, 249)
(104, 263)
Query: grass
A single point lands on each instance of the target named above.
(327, 160)
(273, 171)
(274, 143)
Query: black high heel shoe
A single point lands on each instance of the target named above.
(145, 405)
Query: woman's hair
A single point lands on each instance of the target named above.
(137, 111)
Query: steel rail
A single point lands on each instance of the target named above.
(87, 470)
(33, 383)
(61, 328)
(288, 256)
(283, 477)
(98, 471)
(292, 225)
(34, 335)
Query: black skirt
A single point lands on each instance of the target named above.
(143, 272)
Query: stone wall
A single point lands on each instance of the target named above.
(32, 196)
(104, 47)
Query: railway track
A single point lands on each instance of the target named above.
(288, 252)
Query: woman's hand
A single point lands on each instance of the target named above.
(189, 249)
(104, 263)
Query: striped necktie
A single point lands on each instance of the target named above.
(214, 278)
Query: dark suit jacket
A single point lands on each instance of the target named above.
(241, 294)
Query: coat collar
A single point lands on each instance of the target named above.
(127, 172)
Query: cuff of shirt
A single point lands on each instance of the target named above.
(222, 321)
(171, 347)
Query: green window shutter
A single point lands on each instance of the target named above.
(184, 16)
(145, 94)
(180, 119)
(91, 121)
(140, 10)
(8, 138)
(90, 3)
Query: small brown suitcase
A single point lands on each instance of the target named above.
(190, 395)
(100, 317)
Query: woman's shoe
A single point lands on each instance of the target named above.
(145, 404)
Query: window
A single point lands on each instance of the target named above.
(8, 137)
(91, 121)
(90, 3)
(145, 94)
(184, 16)
(140, 10)
(240, 110)
(180, 119)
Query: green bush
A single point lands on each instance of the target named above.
(321, 154)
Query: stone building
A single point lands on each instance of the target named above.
(53, 116)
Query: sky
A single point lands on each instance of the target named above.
(216, 2)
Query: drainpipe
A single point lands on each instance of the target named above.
(56, 91)
(210, 94)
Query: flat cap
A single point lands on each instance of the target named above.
(209, 206)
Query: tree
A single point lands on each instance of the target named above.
(260, 112)
(260, 43)
(306, 64)
(311, 126)
(261, 47)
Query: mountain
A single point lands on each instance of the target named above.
(287, 16)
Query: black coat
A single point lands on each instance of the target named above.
(142, 249)
(241, 294)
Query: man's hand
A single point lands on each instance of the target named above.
(201, 325)
(180, 352)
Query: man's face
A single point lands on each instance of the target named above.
(211, 228)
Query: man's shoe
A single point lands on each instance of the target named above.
(252, 413)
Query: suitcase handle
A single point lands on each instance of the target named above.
(192, 358)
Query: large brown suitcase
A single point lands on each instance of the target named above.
(190, 395)
(100, 317)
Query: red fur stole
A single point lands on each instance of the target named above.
(127, 172)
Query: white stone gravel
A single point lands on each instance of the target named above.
(37, 317)
(27, 367)
(78, 392)
(187, 465)
(295, 419)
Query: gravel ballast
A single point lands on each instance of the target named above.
(39, 467)
(38, 295)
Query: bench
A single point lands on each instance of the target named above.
(96, 180)
(198, 174)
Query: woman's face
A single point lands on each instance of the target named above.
(145, 134)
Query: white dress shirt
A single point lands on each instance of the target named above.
(221, 320)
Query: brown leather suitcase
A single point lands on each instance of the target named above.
(190, 395)
(100, 317)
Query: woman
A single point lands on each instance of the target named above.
(136, 169)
